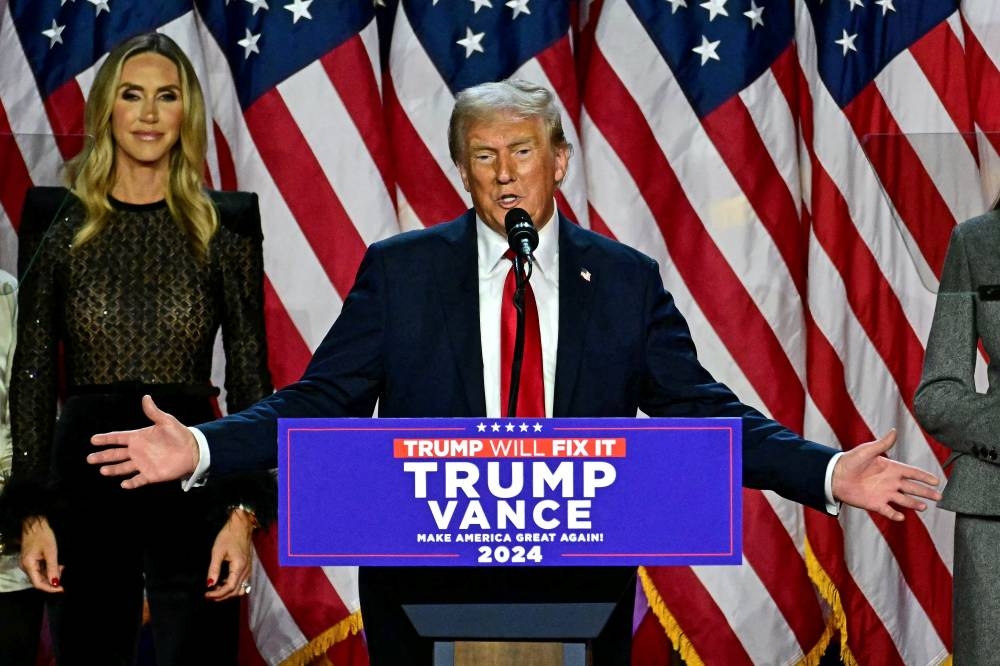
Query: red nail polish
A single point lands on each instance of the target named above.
(210, 582)
(55, 582)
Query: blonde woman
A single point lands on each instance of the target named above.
(133, 271)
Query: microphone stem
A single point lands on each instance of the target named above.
(521, 282)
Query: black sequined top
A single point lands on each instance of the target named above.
(132, 305)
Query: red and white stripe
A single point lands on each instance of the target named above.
(738, 214)
(717, 204)
(882, 209)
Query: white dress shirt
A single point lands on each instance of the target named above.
(493, 269)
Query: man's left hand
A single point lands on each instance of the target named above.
(865, 478)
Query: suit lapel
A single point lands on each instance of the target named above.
(458, 289)
(576, 290)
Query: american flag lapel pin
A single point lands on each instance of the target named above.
(585, 274)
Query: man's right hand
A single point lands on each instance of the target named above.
(163, 451)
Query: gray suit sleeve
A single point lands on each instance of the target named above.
(947, 404)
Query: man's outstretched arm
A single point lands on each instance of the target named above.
(167, 450)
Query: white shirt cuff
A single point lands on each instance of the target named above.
(199, 476)
(832, 505)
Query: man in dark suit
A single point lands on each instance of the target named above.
(419, 334)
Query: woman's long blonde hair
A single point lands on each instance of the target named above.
(91, 173)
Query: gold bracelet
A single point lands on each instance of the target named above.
(251, 515)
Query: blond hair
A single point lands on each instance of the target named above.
(91, 173)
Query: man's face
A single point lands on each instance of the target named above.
(510, 163)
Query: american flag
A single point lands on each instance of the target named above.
(775, 158)
(795, 167)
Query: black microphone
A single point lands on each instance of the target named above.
(521, 233)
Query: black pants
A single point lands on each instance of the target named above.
(392, 640)
(115, 543)
(21, 622)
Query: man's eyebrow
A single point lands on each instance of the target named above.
(516, 142)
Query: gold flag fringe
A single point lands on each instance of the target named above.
(667, 621)
(318, 646)
(828, 590)
(839, 617)
(687, 651)
(816, 654)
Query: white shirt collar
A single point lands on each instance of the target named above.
(492, 246)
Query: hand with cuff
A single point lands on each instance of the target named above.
(163, 451)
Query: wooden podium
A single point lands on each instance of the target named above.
(504, 654)
(539, 634)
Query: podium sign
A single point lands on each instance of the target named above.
(509, 492)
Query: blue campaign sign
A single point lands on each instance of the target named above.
(509, 492)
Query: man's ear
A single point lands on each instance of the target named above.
(562, 164)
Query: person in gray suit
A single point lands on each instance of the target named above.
(949, 407)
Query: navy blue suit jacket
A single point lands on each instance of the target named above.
(408, 337)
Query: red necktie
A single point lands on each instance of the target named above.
(531, 393)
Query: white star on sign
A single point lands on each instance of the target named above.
(715, 7)
(524, 427)
(519, 7)
(479, 4)
(676, 4)
(538, 427)
(100, 5)
(707, 50)
(495, 427)
(472, 42)
(756, 15)
(886, 6)
(847, 42)
(54, 33)
(481, 427)
(257, 5)
(299, 9)
(249, 44)
(856, 3)
(510, 427)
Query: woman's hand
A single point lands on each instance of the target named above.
(39, 555)
(232, 545)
